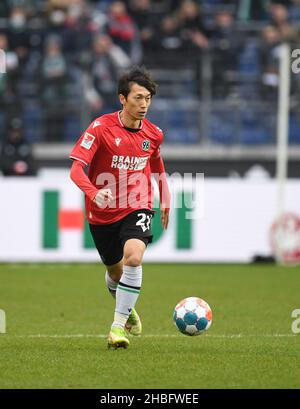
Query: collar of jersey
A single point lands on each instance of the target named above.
(129, 129)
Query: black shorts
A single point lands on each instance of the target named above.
(110, 238)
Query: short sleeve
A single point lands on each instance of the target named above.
(87, 145)
(156, 152)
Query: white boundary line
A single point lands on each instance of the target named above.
(225, 336)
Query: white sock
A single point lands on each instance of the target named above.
(111, 284)
(127, 294)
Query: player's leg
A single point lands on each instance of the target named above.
(129, 287)
(112, 277)
(110, 249)
(127, 294)
(135, 234)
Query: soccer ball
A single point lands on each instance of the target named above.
(192, 316)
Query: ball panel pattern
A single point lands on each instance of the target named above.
(192, 316)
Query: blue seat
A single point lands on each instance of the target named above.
(182, 135)
(191, 135)
(173, 136)
(72, 128)
(2, 125)
(176, 118)
(249, 66)
(253, 127)
(294, 14)
(249, 91)
(249, 117)
(254, 136)
(33, 122)
(294, 129)
(157, 117)
(221, 128)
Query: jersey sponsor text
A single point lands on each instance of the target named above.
(129, 162)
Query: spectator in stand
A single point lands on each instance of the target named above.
(8, 80)
(54, 69)
(146, 20)
(168, 43)
(64, 4)
(192, 31)
(56, 22)
(53, 88)
(108, 61)
(121, 28)
(252, 10)
(4, 8)
(16, 154)
(280, 20)
(80, 30)
(269, 59)
(294, 11)
(226, 45)
(286, 3)
(18, 34)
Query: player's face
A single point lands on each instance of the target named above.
(137, 102)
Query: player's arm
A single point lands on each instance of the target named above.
(77, 174)
(82, 155)
(159, 173)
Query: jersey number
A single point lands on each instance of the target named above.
(144, 221)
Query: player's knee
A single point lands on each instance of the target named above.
(115, 271)
(115, 275)
(133, 260)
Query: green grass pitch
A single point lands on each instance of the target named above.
(58, 317)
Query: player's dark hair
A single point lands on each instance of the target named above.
(138, 75)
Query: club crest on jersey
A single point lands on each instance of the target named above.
(118, 140)
(87, 140)
(146, 145)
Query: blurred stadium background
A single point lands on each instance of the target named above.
(217, 66)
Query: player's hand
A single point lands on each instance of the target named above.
(103, 197)
(164, 215)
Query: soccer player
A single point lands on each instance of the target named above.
(122, 151)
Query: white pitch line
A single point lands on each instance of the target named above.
(225, 336)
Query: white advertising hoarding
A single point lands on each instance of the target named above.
(41, 219)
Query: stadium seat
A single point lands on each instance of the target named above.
(182, 135)
(221, 127)
(33, 121)
(254, 136)
(253, 127)
(72, 127)
(179, 119)
(175, 82)
(2, 125)
(294, 14)
(294, 130)
(249, 68)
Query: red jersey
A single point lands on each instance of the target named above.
(118, 159)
